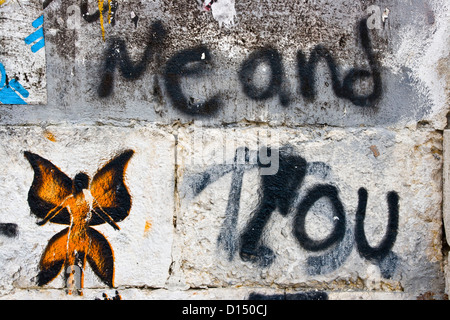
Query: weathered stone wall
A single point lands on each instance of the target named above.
(278, 149)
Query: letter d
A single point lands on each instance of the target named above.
(228, 309)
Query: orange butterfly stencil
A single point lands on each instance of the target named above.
(79, 203)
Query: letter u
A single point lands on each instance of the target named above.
(382, 250)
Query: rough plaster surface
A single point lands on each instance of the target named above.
(408, 47)
(184, 178)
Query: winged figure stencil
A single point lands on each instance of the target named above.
(79, 203)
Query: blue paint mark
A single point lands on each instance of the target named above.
(38, 22)
(9, 93)
(14, 84)
(9, 96)
(37, 35)
(3, 77)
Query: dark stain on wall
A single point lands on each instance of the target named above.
(311, 295)
(9, 230)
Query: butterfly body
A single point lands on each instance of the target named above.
(79, 203)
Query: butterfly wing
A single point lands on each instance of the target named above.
(53, 258)
(109, 191)
(49, 188)
(100, 257)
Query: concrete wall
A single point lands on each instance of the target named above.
(279, 149)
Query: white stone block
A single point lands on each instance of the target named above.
(142, 246)
(402, 163)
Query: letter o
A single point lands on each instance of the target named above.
(338, 232)
(246, 73)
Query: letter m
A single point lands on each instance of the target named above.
(117, 56)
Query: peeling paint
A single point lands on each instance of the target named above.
(224, 12)
(385, 14)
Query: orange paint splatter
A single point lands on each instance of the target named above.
(100, 9)
(148, 226)
(49, 136)
(109, 11)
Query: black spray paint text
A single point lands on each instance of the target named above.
(195, 62)
(277, 193)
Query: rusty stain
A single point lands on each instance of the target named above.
(435, 150)
(375, 151)
(426, 296)
(432, 296)
(443, 71)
